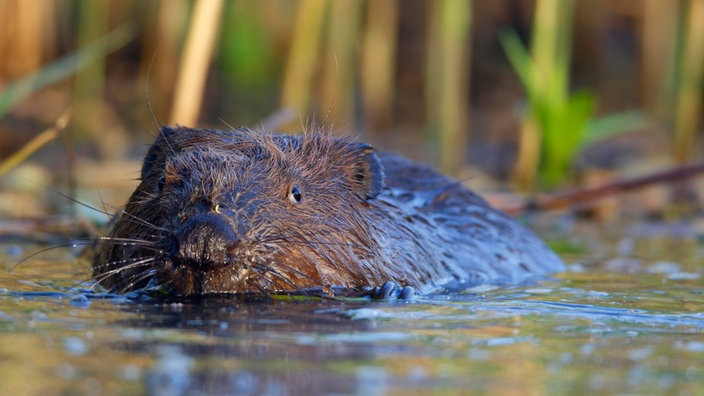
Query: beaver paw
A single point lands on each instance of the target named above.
(392, 291)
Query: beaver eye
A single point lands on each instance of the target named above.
(295, 196)
(161, 183)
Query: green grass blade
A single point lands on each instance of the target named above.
(614, 124)
(519, 58)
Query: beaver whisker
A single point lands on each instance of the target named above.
(126, 242)
(138, 262)
(123, 280)
(75, 243)
(137, 279)
(139, 221)
(130, 283)
(47, 249)
(85, 205)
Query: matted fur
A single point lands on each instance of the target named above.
(283, 213)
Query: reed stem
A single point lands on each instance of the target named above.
(379, 62)
(297, 84)
(195, 61)
(689, 98)
(448, 79)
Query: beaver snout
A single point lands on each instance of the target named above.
(204, 240)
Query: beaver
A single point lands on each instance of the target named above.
(238, 211)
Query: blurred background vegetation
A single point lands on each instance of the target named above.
(521, 93)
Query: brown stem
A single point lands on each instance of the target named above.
(573, 197)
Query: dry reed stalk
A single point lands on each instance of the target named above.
(659, 49)
(528, 158)
(302, 56)
(448, 79)
(36, 143)
(276, 17)
(32, 21)
(341, 61)
(89, 85)
(195, 60)
(379, 62)
(689, 98)
(25, 36)
(163, 39)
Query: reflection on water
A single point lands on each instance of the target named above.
(628, 319)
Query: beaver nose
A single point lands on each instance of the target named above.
(203, 241)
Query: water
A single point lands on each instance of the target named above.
(627, 318)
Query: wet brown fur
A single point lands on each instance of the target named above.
(365, 218)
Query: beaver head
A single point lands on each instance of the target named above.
(237, 211)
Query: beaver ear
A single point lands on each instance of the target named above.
(160, 144)
(366, 174)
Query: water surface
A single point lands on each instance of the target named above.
(627, 318)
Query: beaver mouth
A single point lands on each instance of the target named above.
(183, 278)
(205, 256)
(234, 277)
